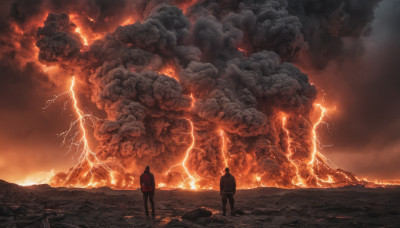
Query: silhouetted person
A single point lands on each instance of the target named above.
(227, 188)
(148, 185)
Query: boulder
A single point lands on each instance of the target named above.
(204, 221)
(177, 223)
(239, 212)
(195, 214)
(6, 211)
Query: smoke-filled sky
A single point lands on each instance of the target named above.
(349, 49)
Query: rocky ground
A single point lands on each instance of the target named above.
(43, 206)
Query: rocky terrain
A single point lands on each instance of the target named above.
(43, 206)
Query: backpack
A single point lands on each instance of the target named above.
(146, 183)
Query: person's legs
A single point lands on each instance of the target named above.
(224, 196)
(151, 197)
(232, 203)
(145, 197)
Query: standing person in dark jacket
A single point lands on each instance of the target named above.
(148, 185)
(227, 188)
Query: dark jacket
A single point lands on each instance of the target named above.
(153, 183)
(227, 184)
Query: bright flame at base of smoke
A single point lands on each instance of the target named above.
(90, 171)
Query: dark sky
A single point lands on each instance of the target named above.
(363, 136)
(364, 133)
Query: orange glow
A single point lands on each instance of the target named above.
(243, 51)
(128, 21)
(191, 178)
(87, 154)
(299, 180)
(90, 171)
(185, 5)
(223, 148)
(85, 40)
(48, 69)
(81, 29)
(36, 178)
(315, 151)
(169, 71)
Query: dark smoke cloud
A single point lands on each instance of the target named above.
(148, 113)
(326, 23)
(215, 85)
(253, 25)
(58, 41)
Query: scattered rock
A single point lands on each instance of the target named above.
(195, 214)
(220, 219)
(56, 218)
(20, 210)
(86, 208)
(204, 221)
(239, 212)
(294, 223)
(266, 212)
(6, 220)
(177, 223)
(6, 211)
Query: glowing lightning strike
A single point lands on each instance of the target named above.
(86, 148)
(300, 181)
(87, 154)
(315, 151)
(85, 41)
(190, 177)
(223, 148)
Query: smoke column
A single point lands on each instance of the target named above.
(189, 87)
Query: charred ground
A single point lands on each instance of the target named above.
(353, 206)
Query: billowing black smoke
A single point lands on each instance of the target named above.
(216, 86)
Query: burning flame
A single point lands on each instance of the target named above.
(170, 71)
(82, 175)
(191, 178)
(37, 178)
(86, 35)
(128, 21)
(223, 148)
(315, 151)
(87, 156)
(85, 40)
(299, 180)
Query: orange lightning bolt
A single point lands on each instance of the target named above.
(223, 148)
(315, 153)
(300, 181)
(85, 40)
(87, 156)
(190, 177)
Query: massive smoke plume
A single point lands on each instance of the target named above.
(212, 74)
